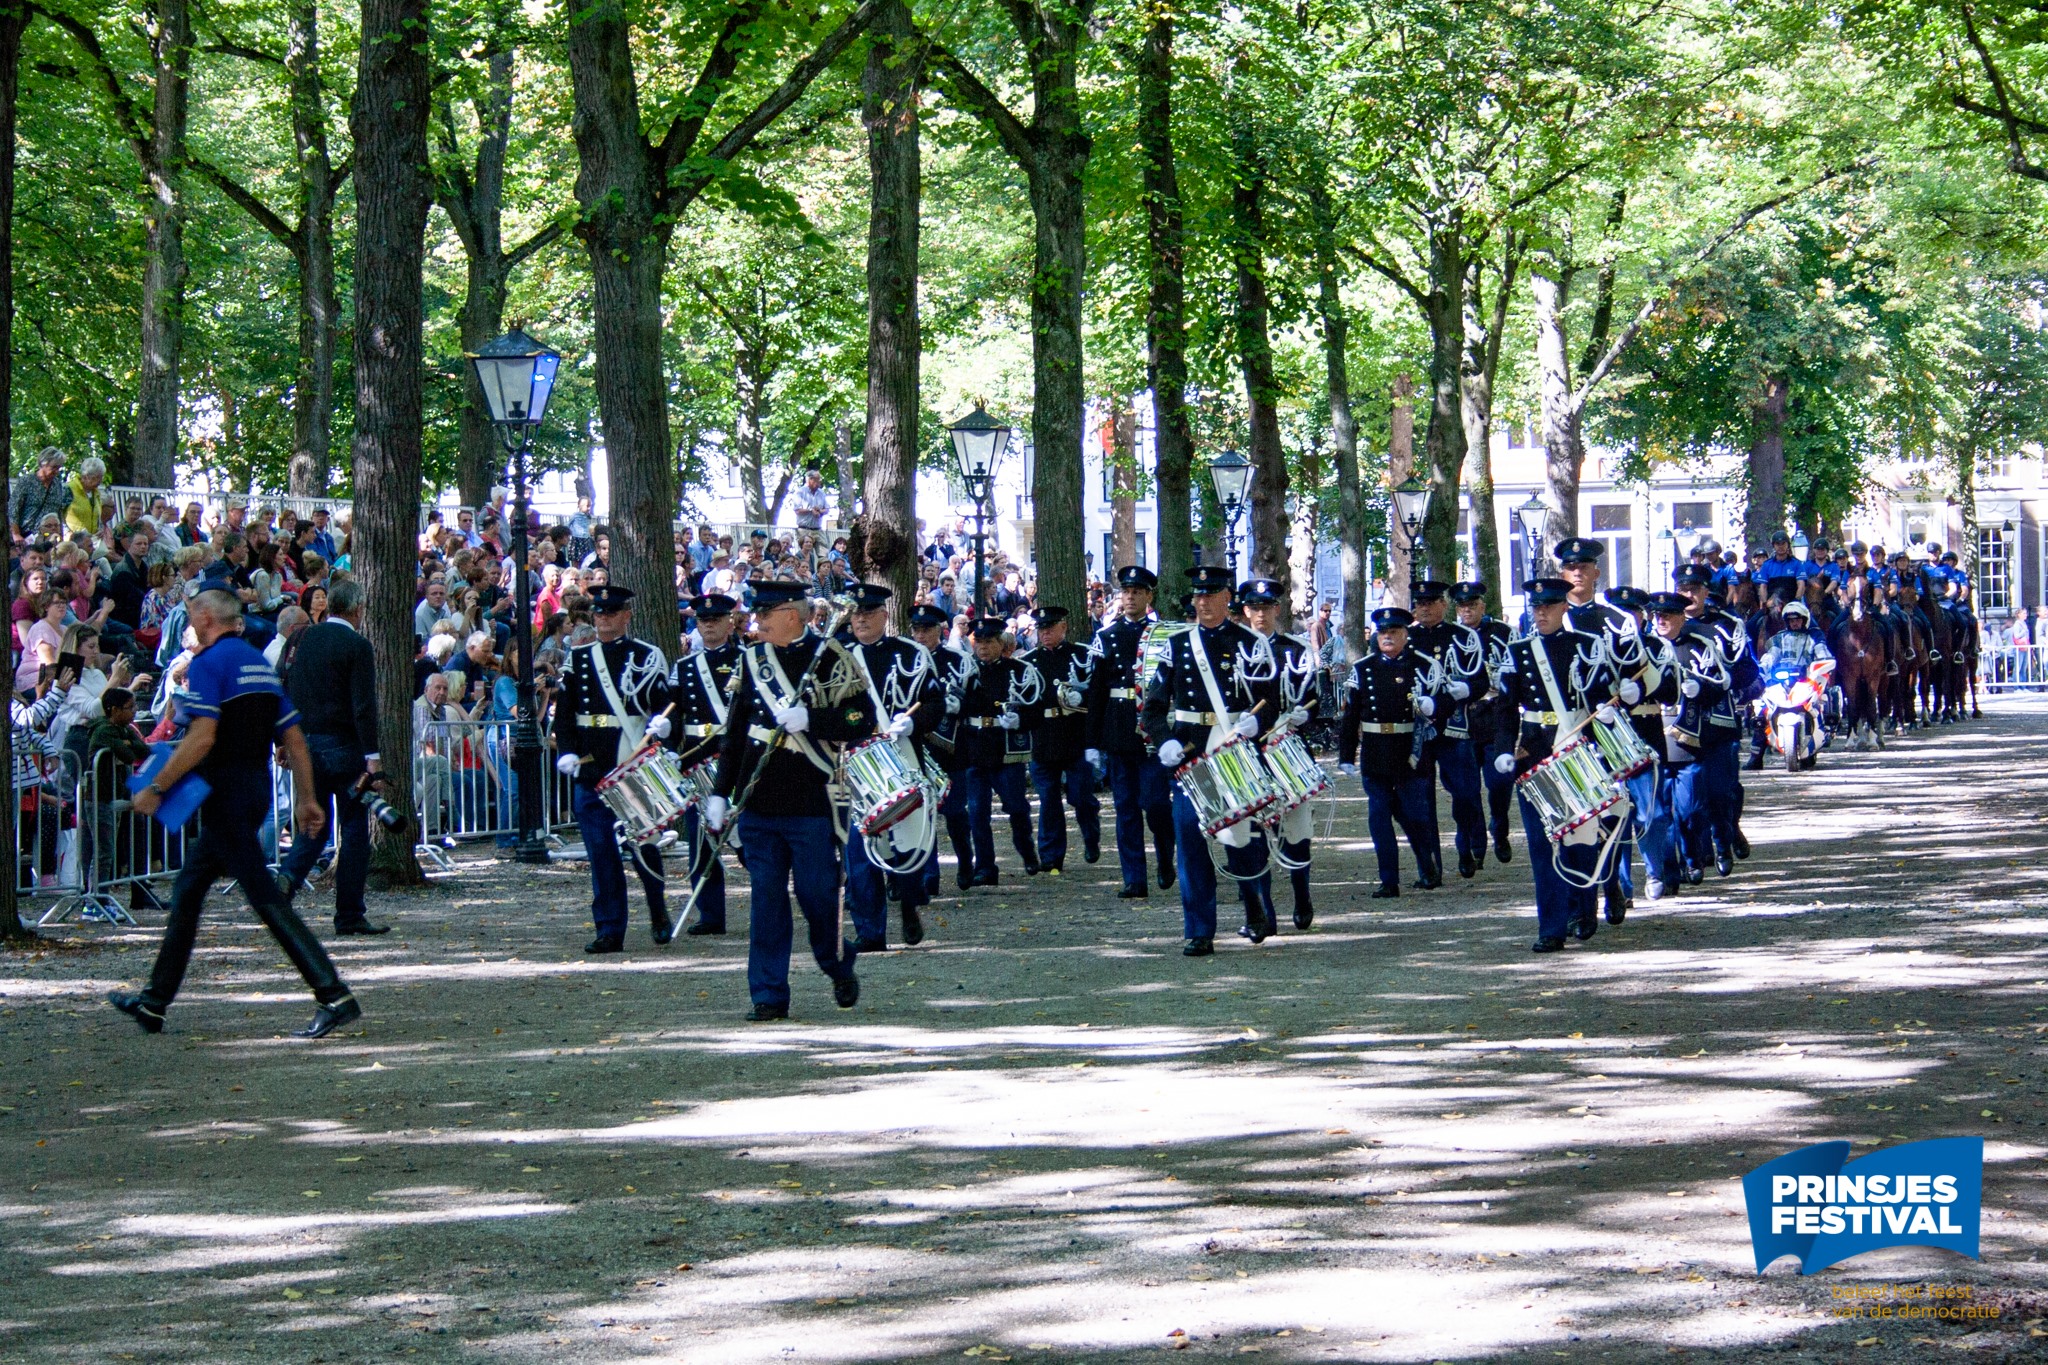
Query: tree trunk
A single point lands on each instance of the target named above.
(163, 272)
(1166, 364)
(616, 185)
(393, 195)
(1564, 451)
(889, 107)
(1122, 457)
(313, 251)
(14, 16)
(1268, 496)
(1058, 396)
(1336, 324)
(1400, 468)
(1766, 513)
(1482, 363)
(1444, 440)
(478, 456)
(749, 433)
(1966, 509)
(846, 472)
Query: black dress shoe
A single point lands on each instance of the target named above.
(1304, 916)
(1091, 853)
(871, 945)
(1132, 893)
(1467, 865)
(1693, 876)
(701, 928)
(360, 926)
(913, 926)
(1033, 869)
(762, 1014)
(846, 992)
(330, 1017)
(1198, 947)
(1618, 908)
(1427, 883)
(1479, 857)
(138, 1009)
(1740, 844)
(605, 943)
(1503, 850)
(664, 928)
(1166, 876)
(965, 881)
(1547, 945)
(1723, 864)
(987, 878)
(1587, 927)
(1386, 891)
(1755, 764)
(1255, 933)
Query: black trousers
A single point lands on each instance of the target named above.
(227, 847)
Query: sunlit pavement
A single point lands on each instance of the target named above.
(1044, 1134)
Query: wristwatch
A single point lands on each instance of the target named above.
(155, 788)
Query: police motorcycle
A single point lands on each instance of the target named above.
(1792, 707)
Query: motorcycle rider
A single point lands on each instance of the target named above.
(1791, 653)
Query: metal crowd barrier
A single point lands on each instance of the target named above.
(2005, 667)
(465, 789)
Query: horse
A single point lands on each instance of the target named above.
(1962, 660)
(1908, 656)
(1937, 680)
(1858, 647)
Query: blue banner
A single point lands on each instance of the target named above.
(1819, 1206)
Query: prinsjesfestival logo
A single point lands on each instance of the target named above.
(1818, 1205)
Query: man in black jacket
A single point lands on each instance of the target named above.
(333, 683)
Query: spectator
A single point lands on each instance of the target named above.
(811, 503)
(129, 583)
(323, 539)
(266, 582)
(42, 637)
(441, 647)
(157, 605)
(44, 493)
(90, 504)
(432, 532)
(478, 667)
(433, 608)
(291, 624)
(600, 555)
(581, 532)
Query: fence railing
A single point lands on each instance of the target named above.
(465, 788)
(2005, 667)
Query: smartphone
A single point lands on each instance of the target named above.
(74, 663)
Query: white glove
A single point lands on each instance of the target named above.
(567, 765)
(1608, 715)
(1427, 706)
(714, 813)
(1170, 753)
(900, 724)
(1070, 696)
(1460, 690)
(1504, 764)
(1298, 717)
(1631, 691)
(657, 727)
(794, 719)
(1094, 757)
(1690, 687)
(1009, 720)
(1245, 726)
(952, 705)
(1348, 769)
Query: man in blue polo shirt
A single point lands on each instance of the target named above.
(238, 713)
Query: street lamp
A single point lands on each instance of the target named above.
(1534, 518)
(977, 440)
(1232, 475)
(1411, 509)
(517, 376)
(1802, 548)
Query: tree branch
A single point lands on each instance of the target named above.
(266, 217)
(538, 242)
(2017, 159)
(719, 65)
(127, 114)
(984, 104)
(1390, 272)
(247, 54)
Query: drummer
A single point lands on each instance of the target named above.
(1384, 699)
(1142, 790)
(1620, 632)
(612, 692)
(1490, 715)
(700, 688)
(1059, 766)
(1557, 676)
(1201, 698)
(928, 626)
(999, 706)
(1698, 688)
(1296, 663)
(1459, 654)
(909, 703)
(1653, 680)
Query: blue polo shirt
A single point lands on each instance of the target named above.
(232, 684)
(1774, 567)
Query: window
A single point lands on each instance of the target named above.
(1692, 516)
(1996, 467)
(1994, 578)
(1518, 564)
(1110, 563)
(1613, 524)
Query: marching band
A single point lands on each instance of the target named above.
(833, 760)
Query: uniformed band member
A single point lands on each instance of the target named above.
(1698, 688)
(1557, 676)
(1722, 795)
(1646, 681)
(1384, 698)
(1219, 681)
(612, 693)
(1141, 788)
(999, 707)
(782, 746)
(1490, 716)
(1296, 661)
(1459, 655)
(700, 686)
(909, 703)
(1060, 769)
(949, 669)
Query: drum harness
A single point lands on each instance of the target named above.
(633, 729)
(902, 685)
(1296, 685)
(1583, 670)
(1259, 658)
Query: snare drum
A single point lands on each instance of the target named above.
(1153, 647)
(1622, 747)
(884, 787)
(1295, 775)
(1227, 785)
(1570, 788)
(648, 792)
(938, 784)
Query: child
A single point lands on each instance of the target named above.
(113, 748)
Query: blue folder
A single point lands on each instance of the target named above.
(182, 801)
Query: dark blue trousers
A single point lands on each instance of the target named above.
(1457, 767)
(1198, 873)
(1143, 791)
(783, 850)
(1558, 904)
(984, 787)
(1057, 787)
(337, 764)
(608, 865)
(708, 868)
(953, 810)
(1652, 825)
(868, 888)
(1723, 793)
(1407, 802)
(1500, 793)
(1692, 843)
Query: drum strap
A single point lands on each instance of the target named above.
(1549, 680)
(1221, 730)
(771, 682)
(634, 728)
(719, 705)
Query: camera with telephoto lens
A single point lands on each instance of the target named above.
(380, 810)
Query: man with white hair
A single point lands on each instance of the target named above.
(90, 503)
(239, 713)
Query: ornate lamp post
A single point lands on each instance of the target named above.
(1534, 518)
(517, 376)
(977, 440)
(1232, 475)
(1411, 510)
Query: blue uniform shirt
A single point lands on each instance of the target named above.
(1727, 576)
(231, 683)
(1774, 567)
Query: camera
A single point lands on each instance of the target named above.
(380, 810)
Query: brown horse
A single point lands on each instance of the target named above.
(1858, 647)
(1908, 655)
(1938, 678)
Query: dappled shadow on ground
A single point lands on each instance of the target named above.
(1046, 1134)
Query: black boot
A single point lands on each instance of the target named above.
(150, 1017)
(1502, 849)
(664, 927)
(1304, 907)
